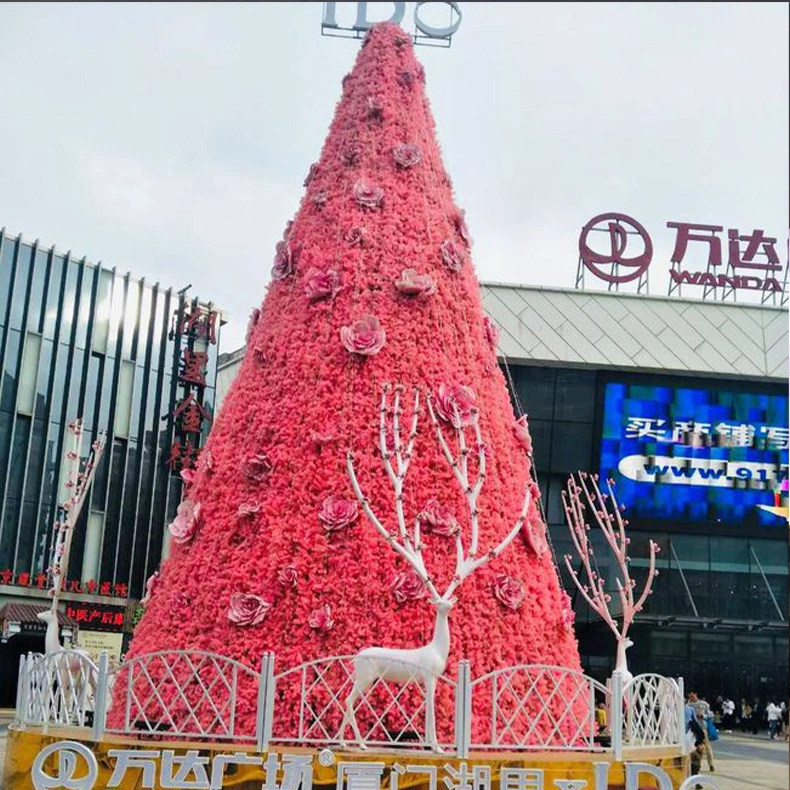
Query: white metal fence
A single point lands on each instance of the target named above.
(192, 694)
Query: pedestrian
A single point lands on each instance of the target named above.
(698, 734)
(774, 715)
(600, 717)
(746, 716)
(757, 716)
(702, 712)
(785, 727)
(728, 709)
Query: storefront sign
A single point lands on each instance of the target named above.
(94, 643)
(90, 587)
(752, 261)
(69, 764)
(422, 28)
(96, 618)
(693, 454)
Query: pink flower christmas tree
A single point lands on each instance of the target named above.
(372, 283)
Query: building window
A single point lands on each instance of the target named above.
(26, 394)
(101, 320)
(123, 404)
(93, 536)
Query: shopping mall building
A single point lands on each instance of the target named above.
(137, 362)
(684, 403)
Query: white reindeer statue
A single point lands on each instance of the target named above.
(427, 663)
(576, 499)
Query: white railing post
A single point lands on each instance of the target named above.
(22, 692)
(100, 703)
(463, 709)
(616, 715)
(681, 716)
(265, 715)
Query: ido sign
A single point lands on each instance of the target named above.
(435, 26)
(695, 455)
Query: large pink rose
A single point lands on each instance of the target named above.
(456, 405)
(408, 586)
(321, 619)
(256, 467)
(350, 153)
(413, 284)
(287, 576)
(247, 609)
(252, 323)
(365, 337)
(357, 236)
(535, 533)
(338, 513)
(320, 198)
(374, 109)
(520, 429)
(248, 509)
(509, 591)
(205, 462)
(567, 615)
(284, 261)
(491, 331)
(186, 521)
(406, 154)
(321, 285)
(452, 257)
(405, 79)
(439, 520)
(150, 587)
(368, 195)
(460, 226)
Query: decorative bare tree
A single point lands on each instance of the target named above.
(576, 500)
(426, 663)
(78, 483)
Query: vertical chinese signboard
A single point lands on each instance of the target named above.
(195, 330)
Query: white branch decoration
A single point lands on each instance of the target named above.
(426, 663)
(579, 497)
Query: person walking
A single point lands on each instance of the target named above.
(702, 712)
(728, 710)
(785, 727)
(774, 714)
(746, 716)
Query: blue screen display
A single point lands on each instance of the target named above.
(695, 455)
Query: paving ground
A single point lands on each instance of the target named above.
(742, 762)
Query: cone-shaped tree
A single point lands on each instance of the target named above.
(378, 202)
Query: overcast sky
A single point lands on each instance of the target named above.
(171, 140)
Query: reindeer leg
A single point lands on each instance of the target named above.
(430, 713)
(350, 717)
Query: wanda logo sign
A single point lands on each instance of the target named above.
(621, 250)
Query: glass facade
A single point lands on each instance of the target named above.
(718, 615)
(78, 339)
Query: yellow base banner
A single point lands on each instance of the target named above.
(59, 759)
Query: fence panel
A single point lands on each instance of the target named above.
(650, 703)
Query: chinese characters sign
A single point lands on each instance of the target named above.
(70, 764)
(39, 582)
(96, 618)
(692, 454)
(702, 255)
(196, 324)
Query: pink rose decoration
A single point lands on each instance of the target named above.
(413, 284)
(364, 337)
(338, 513)
(460, 226)
(150, 587)
(374, 109)
(535, 533)
(186, 521)
(311, 173)
(188, 476)
(407, 154)
(567, 615)
(256, 467)
(491, 331)
(408, 586)
(252, 323)
(452, 257)
(320, 198)
(520, 430)
(405, 79)
(247, 609)
(321, 619)
(259, 352)
(439, 520)
(368, 195)
(509, 591)
(357, 236)
(320, 285)
(456, 405)
(351, 153)
(284, 261)
(287, 576)
(248, 509)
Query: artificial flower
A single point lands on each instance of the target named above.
(407, 154)
(364, 337)
(456, 405)
(452, 257)
(256, 467)
(411, 283)
(247, 609)
(438, 519)
(321, 619)
(320, 285)
(368, 195)
(408, 586)
(338, 513)
(186, 521)
(509, 591)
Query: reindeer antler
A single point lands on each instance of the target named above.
(609, 519)
(409, 546)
